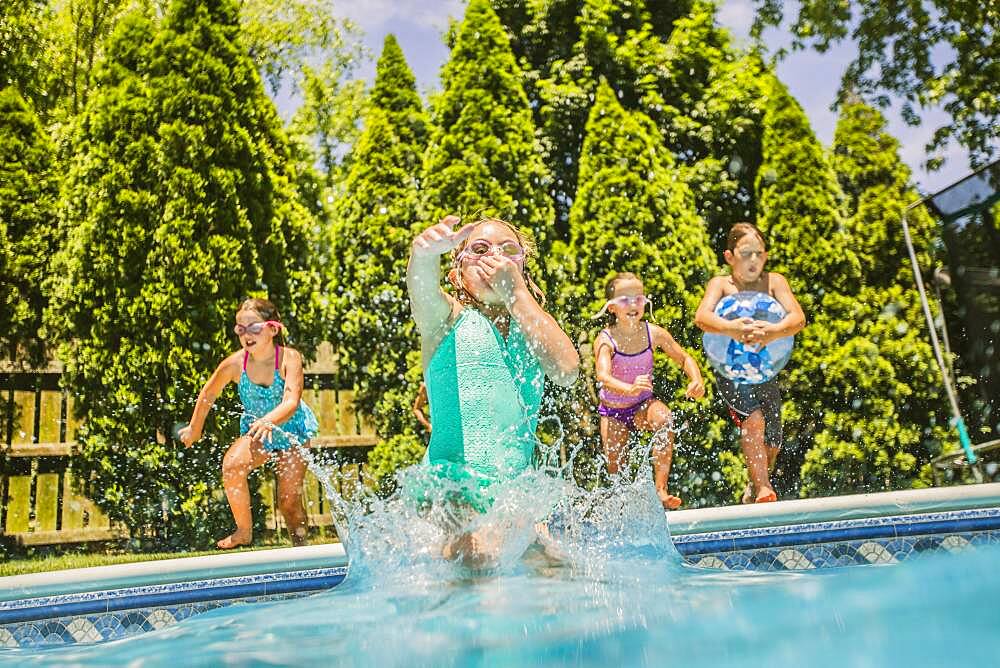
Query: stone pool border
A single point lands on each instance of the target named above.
(110, 602)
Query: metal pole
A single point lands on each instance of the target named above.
(956, 420)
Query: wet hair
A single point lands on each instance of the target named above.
(612, 284)
(740, 230)
(265, 309)
(523, 239)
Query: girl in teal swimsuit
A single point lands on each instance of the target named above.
(486, 352)
(270, 380)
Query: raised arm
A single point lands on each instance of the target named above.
(228, 371)
(430, 306)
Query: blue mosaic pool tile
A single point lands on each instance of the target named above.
(735, 560)
(26, 635)
(54, 633)
(862, 542)
(982, 539)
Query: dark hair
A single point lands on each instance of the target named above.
(609, 289)
(740, 230)
(265, 310)
(525, 241)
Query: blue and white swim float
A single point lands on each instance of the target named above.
(742, 364)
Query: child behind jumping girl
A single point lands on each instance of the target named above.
(624, 368)
(270, 381)
(756, 409)
(485, 354)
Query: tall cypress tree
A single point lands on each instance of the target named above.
(180, 205)
(632, 213)
(483, 154)
(27, 227)
(799, 203)
(860, 397)
(371, 239)
(708, 108)
(877, 184)
(799, 210)
(894, 420)
(671, 61)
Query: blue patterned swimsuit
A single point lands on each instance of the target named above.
(258, 400)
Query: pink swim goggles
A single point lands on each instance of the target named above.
(481, 248)
(624, 300)
(256, 327)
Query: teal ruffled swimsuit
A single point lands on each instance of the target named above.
(484, 393)
(258, 400)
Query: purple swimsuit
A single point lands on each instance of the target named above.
(627, 368)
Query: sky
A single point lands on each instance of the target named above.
(812, 78)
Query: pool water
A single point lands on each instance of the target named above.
(603, 586)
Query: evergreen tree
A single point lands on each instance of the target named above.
(799, 210)
(708, 108)
(876, 392)
(482, 153)
(180, 205)
(23, 47)
(28, 191)
(669, 60)
(632, 213)
(877, 184)
(799, 203)
(374, 220)
(894, 421)
(861, 406)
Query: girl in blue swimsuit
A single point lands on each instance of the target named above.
(275, 421)
(485, 352)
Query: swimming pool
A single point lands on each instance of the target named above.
(777, 591)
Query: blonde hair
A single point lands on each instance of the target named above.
(523, 239)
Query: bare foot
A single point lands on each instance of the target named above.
(766, 496)
(747, 494)
(236, 540)
(669, 501)
(299, 537)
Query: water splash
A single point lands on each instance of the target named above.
(444, 523)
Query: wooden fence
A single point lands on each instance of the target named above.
(39, 502)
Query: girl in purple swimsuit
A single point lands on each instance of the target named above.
(624, 367)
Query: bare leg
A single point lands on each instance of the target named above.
(614, 436)
(756, 455)
(291, 470)
(242, 457)
(772, 457)
(655, 417)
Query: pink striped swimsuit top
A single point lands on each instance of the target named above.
(627, 368)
